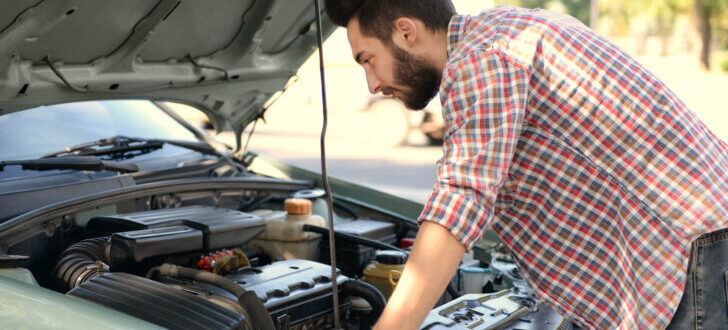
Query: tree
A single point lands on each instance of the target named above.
(665, 13)
(705, 12)
(594, 14)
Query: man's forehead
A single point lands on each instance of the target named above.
(355, 39)
(359, 43)
(353, 33)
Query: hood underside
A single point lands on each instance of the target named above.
(226, 57)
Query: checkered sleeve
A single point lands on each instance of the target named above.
(484, 98)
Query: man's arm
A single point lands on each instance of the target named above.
(432, 263)
(485, 105)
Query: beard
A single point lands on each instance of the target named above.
(420, 78)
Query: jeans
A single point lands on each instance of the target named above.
(704, 304)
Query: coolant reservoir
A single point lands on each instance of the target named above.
(284, 236)
(387, 263)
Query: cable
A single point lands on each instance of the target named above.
(247, 141)
(49, 63)
(324, 177)
(204, 66)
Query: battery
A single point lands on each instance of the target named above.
(351, 257)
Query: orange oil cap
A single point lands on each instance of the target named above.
(297, 206)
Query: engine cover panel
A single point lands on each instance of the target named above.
(295, 290)
(221, 228)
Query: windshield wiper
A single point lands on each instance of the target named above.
(80, 163)
(121, 144)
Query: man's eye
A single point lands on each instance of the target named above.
(366, 60)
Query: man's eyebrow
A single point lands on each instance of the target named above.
(357, 58)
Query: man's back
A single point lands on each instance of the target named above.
(603, 176)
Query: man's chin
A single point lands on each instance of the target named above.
(416, 104)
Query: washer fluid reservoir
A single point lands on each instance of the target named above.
(284, 236)
(388, 265)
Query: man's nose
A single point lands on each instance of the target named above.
(375, 85)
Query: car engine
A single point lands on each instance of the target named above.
(183, 268)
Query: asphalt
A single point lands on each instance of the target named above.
(406, 171)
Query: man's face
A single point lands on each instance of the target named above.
(393, 71)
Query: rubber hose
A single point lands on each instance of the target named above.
(452, 291)
(260, 318)
(352, 238)
(369, 293)
(257, 203)
(346, 208)
(81, 262)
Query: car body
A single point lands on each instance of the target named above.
(88, 131)
(89, 137)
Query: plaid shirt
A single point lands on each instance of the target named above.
(586, 165)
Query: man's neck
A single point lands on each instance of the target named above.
(440, 50)
(434, 49)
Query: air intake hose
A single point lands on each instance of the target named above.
(369, 293)
(82, 261)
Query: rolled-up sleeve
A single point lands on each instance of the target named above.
(485, 96)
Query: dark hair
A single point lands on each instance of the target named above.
(376, 17)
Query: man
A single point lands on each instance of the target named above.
(591, 170)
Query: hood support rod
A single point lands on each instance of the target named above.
(324, 177)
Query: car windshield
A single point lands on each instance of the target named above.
(35, 132)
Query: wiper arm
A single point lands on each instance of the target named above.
(80, 163)
(87, 148)
(121, 144)
(200, 147)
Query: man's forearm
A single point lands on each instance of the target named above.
(432, 263)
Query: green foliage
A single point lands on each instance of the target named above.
(724, 61)
(524, 3)
(578, 8)
(716, 4)
(721, 26)
(659, 14)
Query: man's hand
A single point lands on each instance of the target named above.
(435, 256)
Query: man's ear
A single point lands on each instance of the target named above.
(405, 31)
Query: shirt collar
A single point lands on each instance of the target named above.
(455, 31)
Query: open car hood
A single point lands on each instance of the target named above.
(226, 57)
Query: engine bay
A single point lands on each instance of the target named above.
(252, 254)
